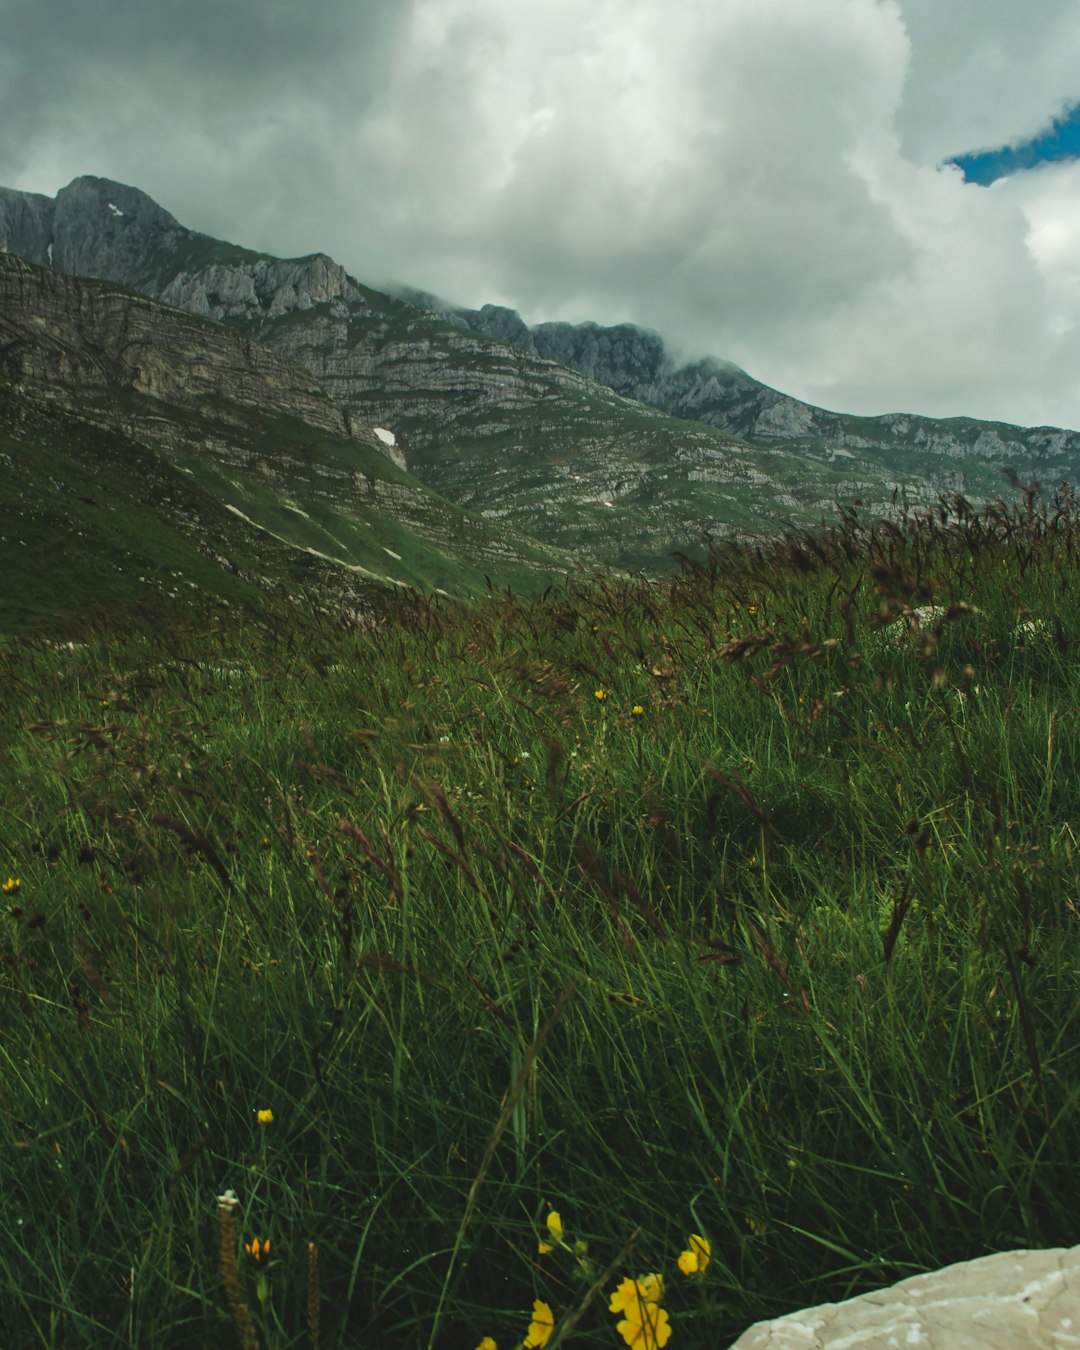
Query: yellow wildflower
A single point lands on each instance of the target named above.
(257, 1250)
(637, 710)
(487, 1344)
(645, 1325)
(555, 1231)
(601, 695)
(12, 884)
(649, 1331)
(694, 1260)
(541, 1326)
(752, 611)
(648, 1289)
(265, 1117)
(652, 1288)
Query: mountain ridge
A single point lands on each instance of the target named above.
(482, 414)
(635, 362)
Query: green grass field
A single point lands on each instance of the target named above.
(742, 905)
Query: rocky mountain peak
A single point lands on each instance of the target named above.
(96, 227)
(106, 229)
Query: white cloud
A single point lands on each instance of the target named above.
(758, 179)
(986, 73)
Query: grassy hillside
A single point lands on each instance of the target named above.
(535, 449)
(98, 525)
(198, 515)
(741, 905)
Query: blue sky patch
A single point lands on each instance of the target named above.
(1061, 140)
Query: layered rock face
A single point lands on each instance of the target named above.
(256, 432)
(1010, 1300)
(62, 335)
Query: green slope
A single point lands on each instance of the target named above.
(116, 496)
(96, 522)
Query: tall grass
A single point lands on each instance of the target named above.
(742, 904)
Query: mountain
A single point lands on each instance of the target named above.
(635, 363)
(149, 455)
(588, 439)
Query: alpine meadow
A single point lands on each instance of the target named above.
(505, 840)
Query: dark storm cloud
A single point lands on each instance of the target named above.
(104, 74)
(757, 179)
(241, 48)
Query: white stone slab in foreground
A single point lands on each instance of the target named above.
(1007, 1301)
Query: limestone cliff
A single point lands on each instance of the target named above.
(60, 335)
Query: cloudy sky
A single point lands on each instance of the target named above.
(763, 180)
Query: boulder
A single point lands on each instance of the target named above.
(1009, 1300)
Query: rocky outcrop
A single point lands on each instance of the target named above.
(424, 383)
(1010, 1300)
(267, 288)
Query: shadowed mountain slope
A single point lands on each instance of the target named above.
(134, 433)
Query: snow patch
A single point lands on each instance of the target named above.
(115, 209)
(392, 553)
(387, 437)
(48, 253)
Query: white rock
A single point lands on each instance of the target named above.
(1007, 1301)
